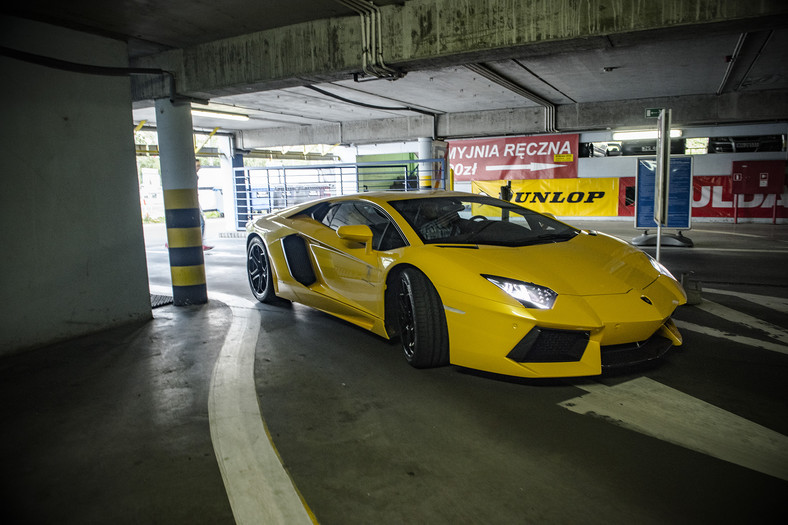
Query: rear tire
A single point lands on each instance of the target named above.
(258, 269)
(422, 321)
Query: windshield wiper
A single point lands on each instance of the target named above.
(556, 237)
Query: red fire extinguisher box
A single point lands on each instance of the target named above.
(766, 177)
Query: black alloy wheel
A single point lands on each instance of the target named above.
(422, 322)
(258, 269)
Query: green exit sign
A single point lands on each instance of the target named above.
(653, 112)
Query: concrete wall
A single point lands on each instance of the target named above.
(73, 258)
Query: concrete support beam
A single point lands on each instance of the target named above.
(450, 32)
(764, 106)
(356, 132)
(768, 106)
(287, 136)
(431, 33)
(516, 121)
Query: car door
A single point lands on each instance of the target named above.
(350, 269)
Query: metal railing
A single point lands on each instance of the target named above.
(259, 191)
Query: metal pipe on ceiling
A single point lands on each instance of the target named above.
(549, 107)
(365, 44)
(89, 69)
(432, 114)
(372, 62)
(731, 62)
(755, 59)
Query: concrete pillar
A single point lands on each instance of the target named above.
(425, 168)
(181, 203)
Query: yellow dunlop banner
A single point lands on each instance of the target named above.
(561, 197)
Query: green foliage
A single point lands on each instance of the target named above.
(696, 146)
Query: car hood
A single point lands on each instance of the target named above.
(588, 264)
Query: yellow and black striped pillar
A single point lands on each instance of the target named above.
(184, 238)
(181, 204)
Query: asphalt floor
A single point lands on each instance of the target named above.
(114, 427)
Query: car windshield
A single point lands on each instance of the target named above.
(479, 220)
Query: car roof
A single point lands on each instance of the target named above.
(403, 195)
(378, 197)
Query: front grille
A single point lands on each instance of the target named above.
(544, 345)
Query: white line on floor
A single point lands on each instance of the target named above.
(732, 233)
(729, 314)
(739, 339)
(744, 250)
(775, 303)
(259, 488)
(654, 409)
(627, 239)
(257, 485)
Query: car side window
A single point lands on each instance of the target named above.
(329, 214)
(346, 214)
(385, 235)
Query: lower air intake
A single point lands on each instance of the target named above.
(544, 345)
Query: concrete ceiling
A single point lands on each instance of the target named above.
(607, 71)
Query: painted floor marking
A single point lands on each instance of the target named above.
(259, 488)
(747, 250)
(729, 314)
(739, 339)
(755, 236)
(775, 303)
(656, 410)
(257, 484)
(628, 238)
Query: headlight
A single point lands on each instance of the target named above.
(660, 267)
(529, 294)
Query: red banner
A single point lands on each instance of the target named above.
(712, 197)
(534, 157)
(626, 197)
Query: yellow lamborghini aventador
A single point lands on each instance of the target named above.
(469, 280)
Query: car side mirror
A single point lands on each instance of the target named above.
(356, 233)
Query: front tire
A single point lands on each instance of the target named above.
(422, 321)
(258, 269)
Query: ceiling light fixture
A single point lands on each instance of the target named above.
(219, 115)
(643, 135)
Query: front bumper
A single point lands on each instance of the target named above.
(579, 337)
(544, 345)
(616, 356)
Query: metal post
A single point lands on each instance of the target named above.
(284, 183)
(774, 210)
(736, 208)
(181, 202)
(662, 179)
(268, 190)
